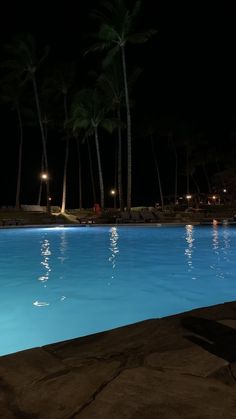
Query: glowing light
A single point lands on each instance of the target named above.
(224, 190)
(113, 192)
(44, 176)
(188, 196)
(214, 197)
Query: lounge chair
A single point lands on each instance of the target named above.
(124, 217)
(135, 217)
(148, 216)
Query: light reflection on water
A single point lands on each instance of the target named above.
(45, 253)
(190, 246)
(45, 263)
(114, 249)
(63, 247)
(221, 247)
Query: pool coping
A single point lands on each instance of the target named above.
(168, 368)
(93, 225)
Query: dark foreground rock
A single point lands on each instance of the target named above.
(181, 366)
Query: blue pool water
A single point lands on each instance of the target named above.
(60, 283)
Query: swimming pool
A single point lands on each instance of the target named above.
(60, 283)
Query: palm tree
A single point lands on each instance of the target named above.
(57, 87)
(117, 24)
(110, 82)
(80, 172)
(88, 114)
(11, 92)
(23, 62)
(91, 171)
(157, 170)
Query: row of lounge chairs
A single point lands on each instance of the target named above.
(12, 222)
(144, 216)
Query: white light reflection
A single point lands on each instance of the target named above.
(226, 243)
(215, 239)
(63, 246)
(190, 246)
(40, 304)
(46, 253)
(221, 250)
(114, 237)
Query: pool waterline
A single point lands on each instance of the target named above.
(72, 282)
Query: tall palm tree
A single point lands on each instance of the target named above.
(89, 113)
(11, 92)
(157, 170)
(91, 171)
(111, 84)
(57, 87)
(117, 28)
(23, 61)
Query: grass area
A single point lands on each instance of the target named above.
(32, 218)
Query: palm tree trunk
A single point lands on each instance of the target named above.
(91, 172)
(158, 173)
(129, 143)
(18, 185)
(187, 169)
(176, 168)
(41, 183)
(63, 202)
(115, 177)
(42, 169)
(43, 140)
(176, 177)
(119, 169)
(99, 169)
(80, 177)
(207, 177)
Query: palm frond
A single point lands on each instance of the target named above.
(142, 37)
(110, 56)
(98, 46)
(109, 34)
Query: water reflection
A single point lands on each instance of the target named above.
(190, 246)
(63, 247)
(45, 263)
(45, 253)
(226, 243)
(114, 249)
(221, 249)
(215, 239)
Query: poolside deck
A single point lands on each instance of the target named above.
(182, 366)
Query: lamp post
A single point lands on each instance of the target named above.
(188, 197)
(113, 193)
(45, 178)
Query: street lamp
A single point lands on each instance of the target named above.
(188, 197)
(113, 193)
(45, 177)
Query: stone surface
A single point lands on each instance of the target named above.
(181, 366)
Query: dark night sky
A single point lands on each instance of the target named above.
(189, 66)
